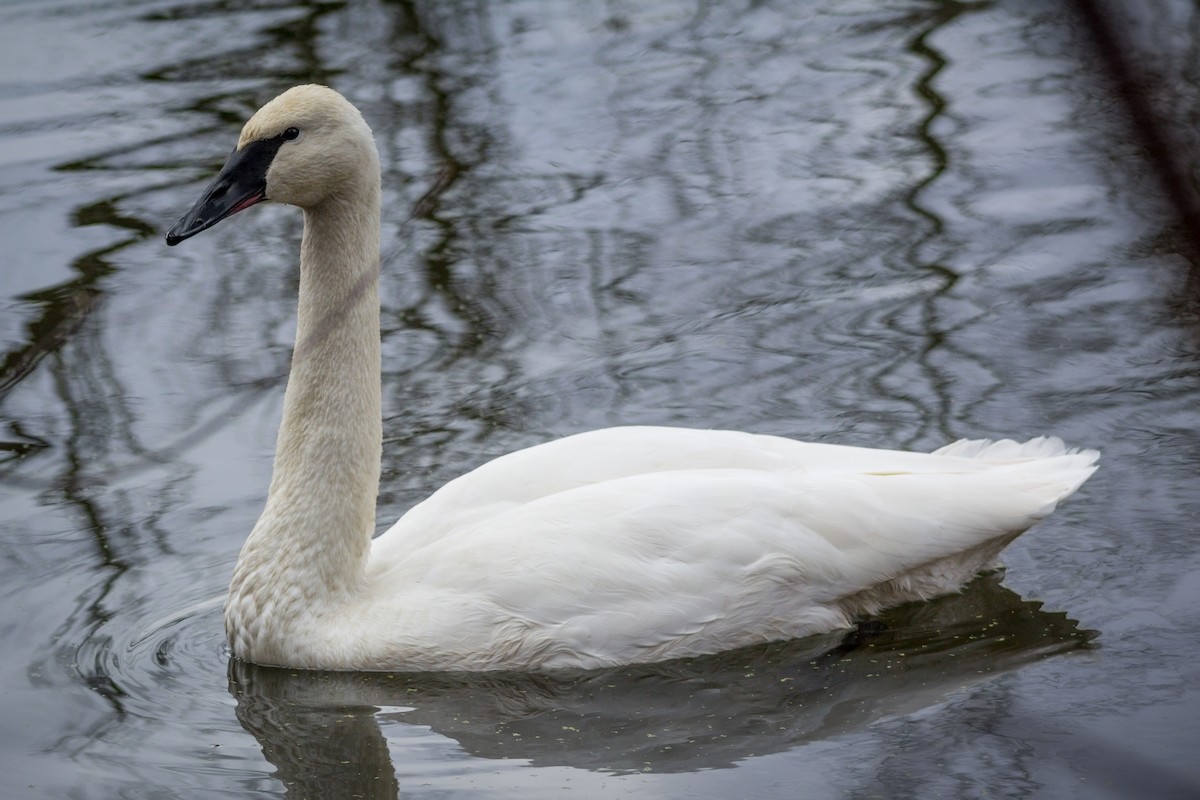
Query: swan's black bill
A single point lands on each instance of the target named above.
(241, 183)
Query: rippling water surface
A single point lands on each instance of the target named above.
(882, 223)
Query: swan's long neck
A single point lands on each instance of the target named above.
(312, 540)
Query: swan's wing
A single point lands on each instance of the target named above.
(847, 531)
(676, 562)
(609, 454)
(571, 462)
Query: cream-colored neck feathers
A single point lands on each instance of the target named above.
(309, 548)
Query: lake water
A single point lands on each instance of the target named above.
(882, 223)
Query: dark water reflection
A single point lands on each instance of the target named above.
(883, 223)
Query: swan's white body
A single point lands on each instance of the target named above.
(616, 546)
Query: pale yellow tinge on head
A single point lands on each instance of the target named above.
(333, 155)
(301, 107)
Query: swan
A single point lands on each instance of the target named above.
(616, 546)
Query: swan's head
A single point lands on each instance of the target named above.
(303, 147)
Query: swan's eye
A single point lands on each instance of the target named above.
(291, 133)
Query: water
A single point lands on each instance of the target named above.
(891, 224)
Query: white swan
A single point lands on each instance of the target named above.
(617, 546)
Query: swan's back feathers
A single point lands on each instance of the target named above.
(634, 544)
(605, 455)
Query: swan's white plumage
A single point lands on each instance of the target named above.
(615, 546)
(636, 544)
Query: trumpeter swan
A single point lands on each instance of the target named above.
(617, 546)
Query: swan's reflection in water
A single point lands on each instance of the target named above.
(320, 729)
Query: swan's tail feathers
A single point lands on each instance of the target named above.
(1046, 460)
(1006, 450)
